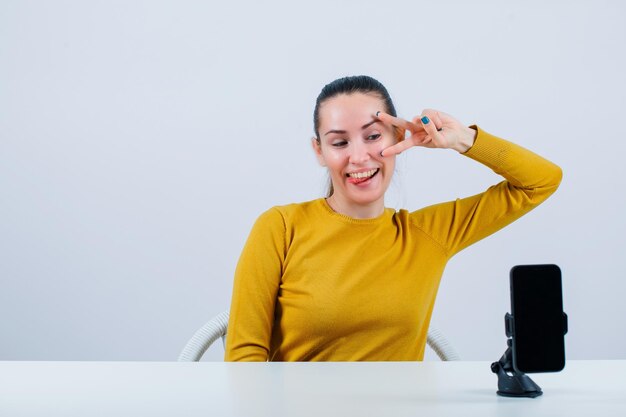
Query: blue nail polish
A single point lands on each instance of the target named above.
(425, 120)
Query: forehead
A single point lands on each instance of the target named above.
(347, 111)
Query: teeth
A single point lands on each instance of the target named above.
(365, 174)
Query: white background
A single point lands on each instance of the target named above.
(139, 141)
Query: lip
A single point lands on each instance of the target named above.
(362, 182)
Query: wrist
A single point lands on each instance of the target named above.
(466, 140)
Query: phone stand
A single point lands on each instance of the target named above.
(510, 382)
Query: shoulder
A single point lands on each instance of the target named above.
(411, 220)
(295, 211)
(416, 218)
(292, 213)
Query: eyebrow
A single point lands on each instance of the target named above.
(365, 126)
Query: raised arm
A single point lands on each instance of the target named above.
(529, 180)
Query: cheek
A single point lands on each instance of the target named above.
(335, 160)
(388, 140)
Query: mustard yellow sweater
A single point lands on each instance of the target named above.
(315, 285)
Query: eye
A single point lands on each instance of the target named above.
(374, 136)
(340, 143)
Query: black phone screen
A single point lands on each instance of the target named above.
(538, 320)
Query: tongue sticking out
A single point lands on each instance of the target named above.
(358, 180)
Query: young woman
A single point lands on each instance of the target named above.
(343, 278)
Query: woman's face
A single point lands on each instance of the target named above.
(351, 138)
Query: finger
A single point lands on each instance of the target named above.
(396, 149)
(396, 121)
(435, 117)
(418, 120)
(432, 129)
(399, 148)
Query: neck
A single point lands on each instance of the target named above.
(354, 210)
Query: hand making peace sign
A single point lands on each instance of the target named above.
(433, 129)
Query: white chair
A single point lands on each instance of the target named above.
(216, 328)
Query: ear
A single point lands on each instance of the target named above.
(318, 151)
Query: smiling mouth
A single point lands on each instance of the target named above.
(359, 177)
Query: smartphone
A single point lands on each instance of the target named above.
(538, 324)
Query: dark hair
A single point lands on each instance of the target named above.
(349, 85)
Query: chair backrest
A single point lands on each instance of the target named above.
(218, 325)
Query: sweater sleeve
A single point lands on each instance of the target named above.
(529, 180)
(256, 284)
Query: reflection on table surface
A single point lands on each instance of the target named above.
(301, 389)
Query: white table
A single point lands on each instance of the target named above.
(584, 388)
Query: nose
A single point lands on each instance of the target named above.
(359, 153)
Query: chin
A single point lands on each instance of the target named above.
(367, 198)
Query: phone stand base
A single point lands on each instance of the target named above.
(512, 383)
